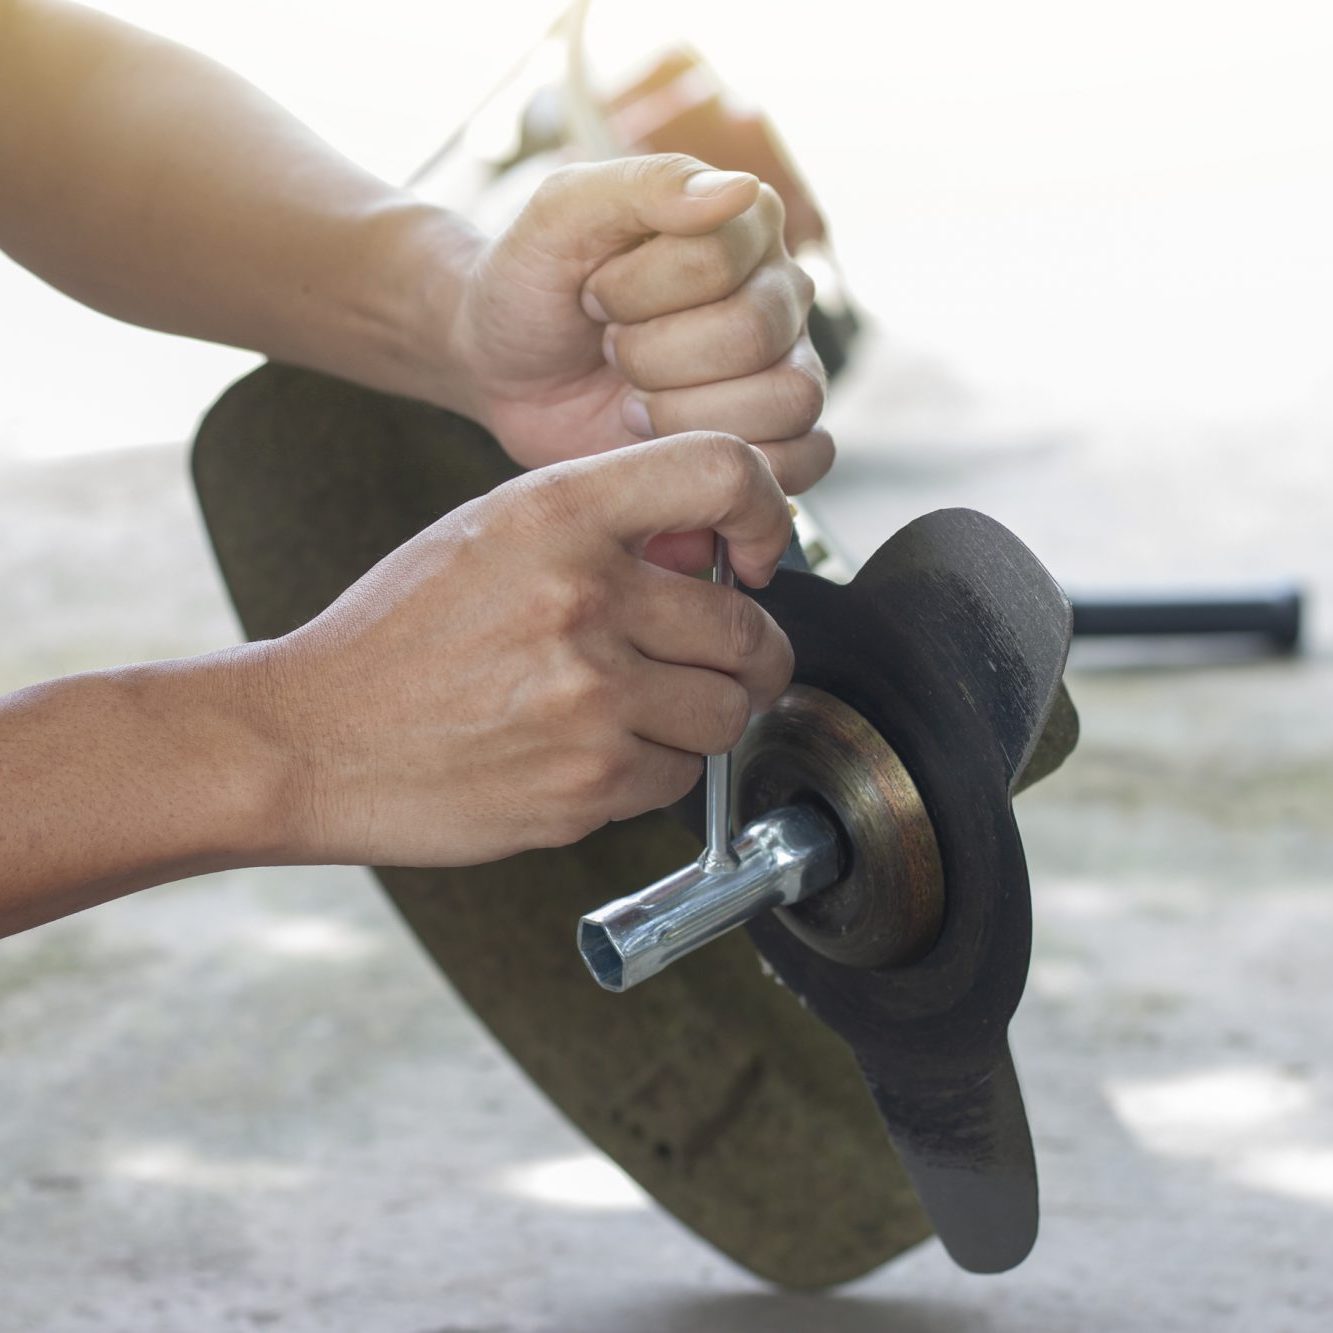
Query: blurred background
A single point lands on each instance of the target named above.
(1090, 249)
(1086, 211)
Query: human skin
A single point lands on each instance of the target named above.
(514, 676)
(156, 186)
(528, 667)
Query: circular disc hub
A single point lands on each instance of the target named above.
(887, 905)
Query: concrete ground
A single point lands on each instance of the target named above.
(248, 1101)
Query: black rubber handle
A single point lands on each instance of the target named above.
(1273, 612)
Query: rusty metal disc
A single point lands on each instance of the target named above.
(888, 902)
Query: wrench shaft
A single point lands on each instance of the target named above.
(718, 852)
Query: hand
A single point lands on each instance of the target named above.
(637, 298)
(517, 674)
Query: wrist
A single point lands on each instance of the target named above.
(416, 261)
(221, 723)
(268, 752)
(304, 763)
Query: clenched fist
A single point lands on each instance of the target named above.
(637, 298)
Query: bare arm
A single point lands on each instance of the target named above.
(149, 182)
(152, 184)
(631, 299)
(513, 677)
(115, 780)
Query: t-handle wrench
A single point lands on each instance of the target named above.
(718, 853)
(778, 859)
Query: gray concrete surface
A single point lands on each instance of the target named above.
(247, 1102)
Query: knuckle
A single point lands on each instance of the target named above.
(789, 301)
(582, 693)
(641, 172)
(733, 716)
(576, 600)
(555, 187)
(801, 396)
(587, 821)
(772, 209)
(610, 773)
(825, 451)
(768, 318)
(804, 286)
(757, 336)
(652, 165)
(597, 776)
(709, 266)
(572, 814)
(747, 627)
(548, 497)
(640, 168)
(732, 461)
(566, 832)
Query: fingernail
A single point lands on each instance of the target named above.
(634, 413)
(705, 183)
(593, 308)
(609, 346)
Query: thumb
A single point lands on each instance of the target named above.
(583, 214)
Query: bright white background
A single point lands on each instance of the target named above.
(1090, 210)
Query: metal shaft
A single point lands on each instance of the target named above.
(780, 858)
(718, 854)
(1273, 612)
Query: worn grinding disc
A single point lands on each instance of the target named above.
(722, 1093)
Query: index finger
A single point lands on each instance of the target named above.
(683, 483)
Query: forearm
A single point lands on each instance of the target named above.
(116, 780)
(154, 185)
